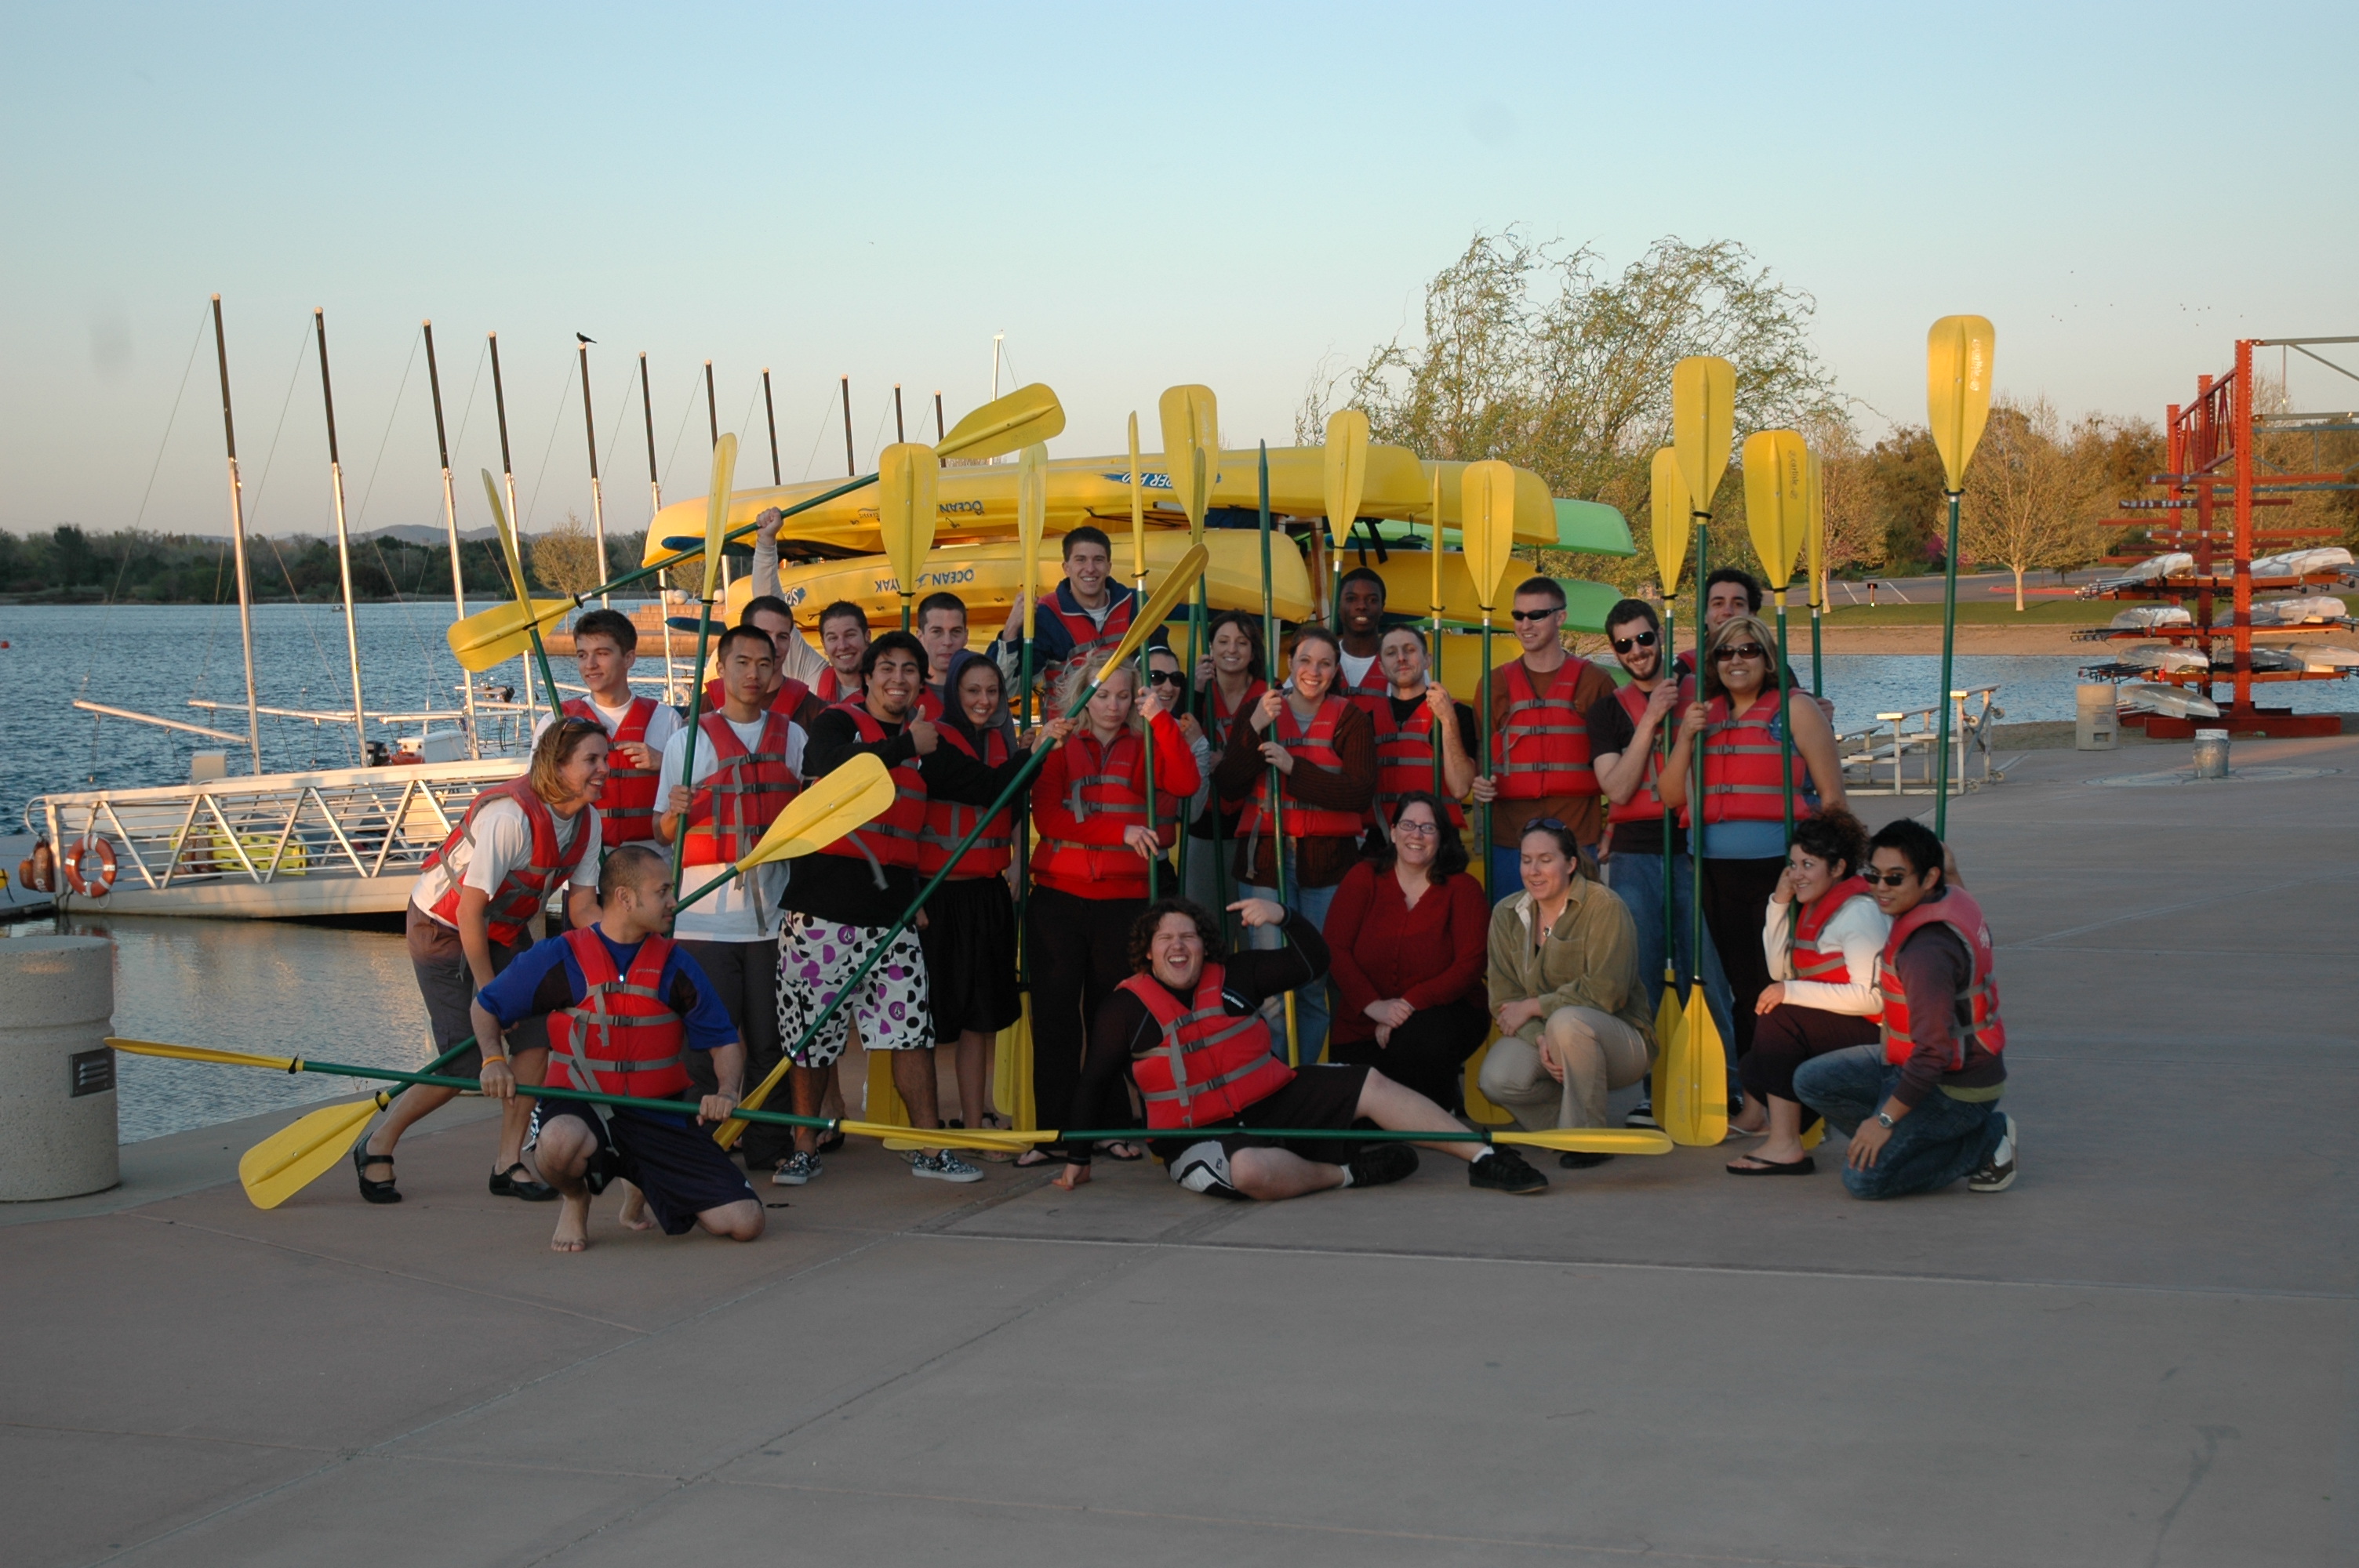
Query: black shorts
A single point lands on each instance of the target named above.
(680, 1169)
(1322, 1096)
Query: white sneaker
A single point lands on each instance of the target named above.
(1997, 1172)
(797, 1170)
(943, 1167)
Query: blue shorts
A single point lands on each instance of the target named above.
(680, 1169)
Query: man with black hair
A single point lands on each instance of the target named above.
(606, 645)
(844, 639)
(942, 627)
(841, 902)
(1539, 764)
(786, 695)
(1921, 1108)
(1360, 620)
(1086, 613)
(1624, 729)
(628, 1011)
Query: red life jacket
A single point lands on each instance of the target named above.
(832, 690)
(1217, 719)
(520, 892)
(1101, 782)
(1405, 763)
(627, 808)
(735, 804)
(1313, 744)
(1372, 697)
(622, 1037)
(1740, 765)
(786, 701)
(1825, 965)
(1211, 1066)
(1983, 1026)
(1645, 802)
(948, 822)
(1088, 636)
(1541, 748)
(890, 840)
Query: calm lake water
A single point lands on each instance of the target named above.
(346, 994)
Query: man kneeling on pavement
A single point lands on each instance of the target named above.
(1187, 1026)
(626, 1009)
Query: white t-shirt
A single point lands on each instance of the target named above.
(747, 908)
(1355, 669)
(502, 840)
(662, 724)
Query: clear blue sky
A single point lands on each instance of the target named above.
(1136, 195)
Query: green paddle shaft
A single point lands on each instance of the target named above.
(1785, 720)
(1483, 723)
(1269, 637)
(688, 752)
(1695, 790)
(1818, 671)
(588, 1096)
(1948, 643)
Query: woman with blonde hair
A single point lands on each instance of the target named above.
(469, 918)
(1741, 726)
(1089, 870)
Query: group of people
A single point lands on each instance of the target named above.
(1320, 957)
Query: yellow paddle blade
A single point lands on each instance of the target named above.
(827, 809)
(1347, 470)
(901, 1135)
(1814, 1135)
(200, 1053)
(1958, 389)
(1191, 424)
(716, 510)
(1814, 523)
(496, 635)
(880, 1101)
(1174, 588)
(508, 537)
(1674, 514)
(1025, 417)
(1138, 507)
(1594, 1140)
(1032, 518)
(298, 1154)
(1011, 1071)
(1487, 522)
(1693, 1101)
(908, 478)
(729, 1132)
(1777, 497)
(1703, 421)
(1670, 1019)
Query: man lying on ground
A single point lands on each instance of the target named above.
(1189, 1029)
(626, 1005)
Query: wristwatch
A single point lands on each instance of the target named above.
(1884, 1119)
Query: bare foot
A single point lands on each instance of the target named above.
(573, 1224)
(634, 1215)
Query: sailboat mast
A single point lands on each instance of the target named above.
(712, 418)
(850, 469)
(938, 416)
(238, 539)
(597, 495)
(770, 412)
(655, 506)
(450, 528)
(343, 541)
(516, 519)
(901, 431)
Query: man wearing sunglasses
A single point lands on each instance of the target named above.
(1540, 764)
(1625, 735)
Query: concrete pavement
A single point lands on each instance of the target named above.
(2143, 1354)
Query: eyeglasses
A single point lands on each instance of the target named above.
(1731, 650)
(1641, 640)
(1876, 879)
(1163, 678)
(1416, 829)
(1535, 615)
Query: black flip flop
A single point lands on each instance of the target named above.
(1802, 1167)
(506, 1183)
(371, 1191)
(1112, 1152)
(829, 1142)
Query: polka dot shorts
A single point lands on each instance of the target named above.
(817, 957)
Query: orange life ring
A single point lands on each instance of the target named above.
(88, 866)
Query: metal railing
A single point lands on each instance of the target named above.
(1892, 744)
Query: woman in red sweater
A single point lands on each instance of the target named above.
(1406, 941)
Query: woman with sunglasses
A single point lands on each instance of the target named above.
(1822, 940)
(1741, 726)
(1229, 680)
(1405, 940)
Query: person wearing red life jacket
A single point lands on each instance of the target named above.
(1188, 1029)
(786, 696)
(606, 645)
(1823, 936)
(1626, 730)
(748, 767)
(1088, 869)
(1413, 716)
(1540, 764)
(832, 670)
(628, 1011)
(969, 932)
(1086, 615)
(844, 901)
(468, 919)
(1360, 623)
(1739, 727)
(1324, 752)
(1229, 679)
(1920, 1107)
(844, 637)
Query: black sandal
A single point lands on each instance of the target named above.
(505, 1183)
(373, 1192)
(1760, 1167)
(1114, 1150)
(1034, 1158)
(830, 1141)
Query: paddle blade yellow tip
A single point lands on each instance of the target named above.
(716, 508)
(1191, 419)
(908, 483)
(1025, 417)
(833, 806)
(1346, 475)
(1672, 512)
(1160, 604)
(301, 1153)
(1486, 524)
(1958, 389)
(1703, 423)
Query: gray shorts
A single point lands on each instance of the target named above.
(448, 988)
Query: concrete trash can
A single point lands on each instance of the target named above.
(2210, 754)
(57, 1076)
(2095, 728)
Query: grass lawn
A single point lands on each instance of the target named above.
(1984, 612)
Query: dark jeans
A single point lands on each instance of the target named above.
(1735, 907)
(1079, 949)
(1427, 1053)
(746, 976)
(1787, 1036)
(1637, 882)
(1938, 1142)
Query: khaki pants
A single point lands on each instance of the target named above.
(1600, 1053)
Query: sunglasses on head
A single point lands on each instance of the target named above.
(1636, 640)
(1874, 878)
(1535, 615)
(1728, 651)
